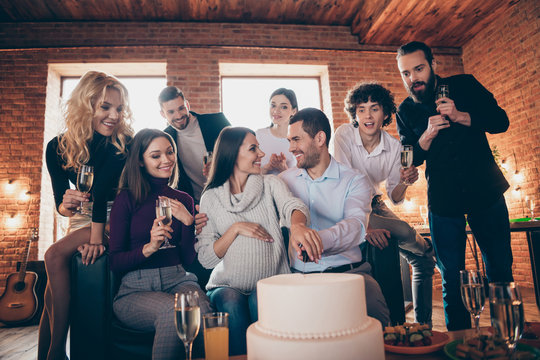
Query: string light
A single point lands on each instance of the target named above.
(10, 187)
(408, 205)
(24, 195)
(505, 165)
(13, 221)
(518, 177)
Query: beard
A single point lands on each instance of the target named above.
(184, 124)
(311, 158)
(428, 94)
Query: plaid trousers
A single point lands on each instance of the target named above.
(145, 301)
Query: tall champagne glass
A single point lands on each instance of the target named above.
(424, 214)
(472, 294)
(529, 202)
(443, 92)
(163, 208)
(406, 158)
(506, 309)
(85, 178)
(187, 318)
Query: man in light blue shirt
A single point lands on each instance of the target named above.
(339, 202)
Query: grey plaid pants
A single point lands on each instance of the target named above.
(145, 301)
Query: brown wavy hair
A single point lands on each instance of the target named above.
(79, 111)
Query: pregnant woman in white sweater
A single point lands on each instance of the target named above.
(242, 240)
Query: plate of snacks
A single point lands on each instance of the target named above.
(487, 347)
(413, 339)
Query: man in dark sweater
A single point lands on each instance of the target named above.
(463, 179)
(194, 134)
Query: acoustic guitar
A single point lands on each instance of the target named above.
(19, 301)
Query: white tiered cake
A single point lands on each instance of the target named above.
(315, 316)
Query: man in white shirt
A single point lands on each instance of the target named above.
(366, 147)
(339, 202)
(194, 134)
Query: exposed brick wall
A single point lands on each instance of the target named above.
(192, 53)
(43, 35)
(23, 81)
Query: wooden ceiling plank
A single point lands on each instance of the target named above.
(443, 23)
(367, 13)
(27, 10)
(395, 19)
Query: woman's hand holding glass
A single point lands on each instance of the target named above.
(158, 234)
(72, 200)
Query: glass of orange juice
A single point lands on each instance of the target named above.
(216, 335)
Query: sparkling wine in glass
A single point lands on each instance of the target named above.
(85, 178)
(424, 214)
(443, 92)
(163, 208)
(472, 294)
(529, 202)
(406, 158)
(187, 318)
(506, 307)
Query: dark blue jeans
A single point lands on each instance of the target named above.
(491, 229)
(242, 311)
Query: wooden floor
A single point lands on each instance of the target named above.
(20, 343)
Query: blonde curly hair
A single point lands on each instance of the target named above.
(79, 111)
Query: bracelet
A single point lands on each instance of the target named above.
(70, 212)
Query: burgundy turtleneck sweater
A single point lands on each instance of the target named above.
(130, 231)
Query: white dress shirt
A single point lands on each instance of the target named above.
(339, 202)
(382, 164)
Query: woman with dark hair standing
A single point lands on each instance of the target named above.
(273, 139)
(242, 240)
(152, 275)
(97, 132)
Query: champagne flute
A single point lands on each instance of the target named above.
(472, 294)
(163, 208)
(85, 178)
(529, 202)
(424, 214)
(506, 309)
(187, 318)
(406, 158)
(443, 91)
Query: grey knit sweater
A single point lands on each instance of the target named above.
(247, 259)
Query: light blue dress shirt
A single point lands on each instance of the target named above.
(339, 203)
